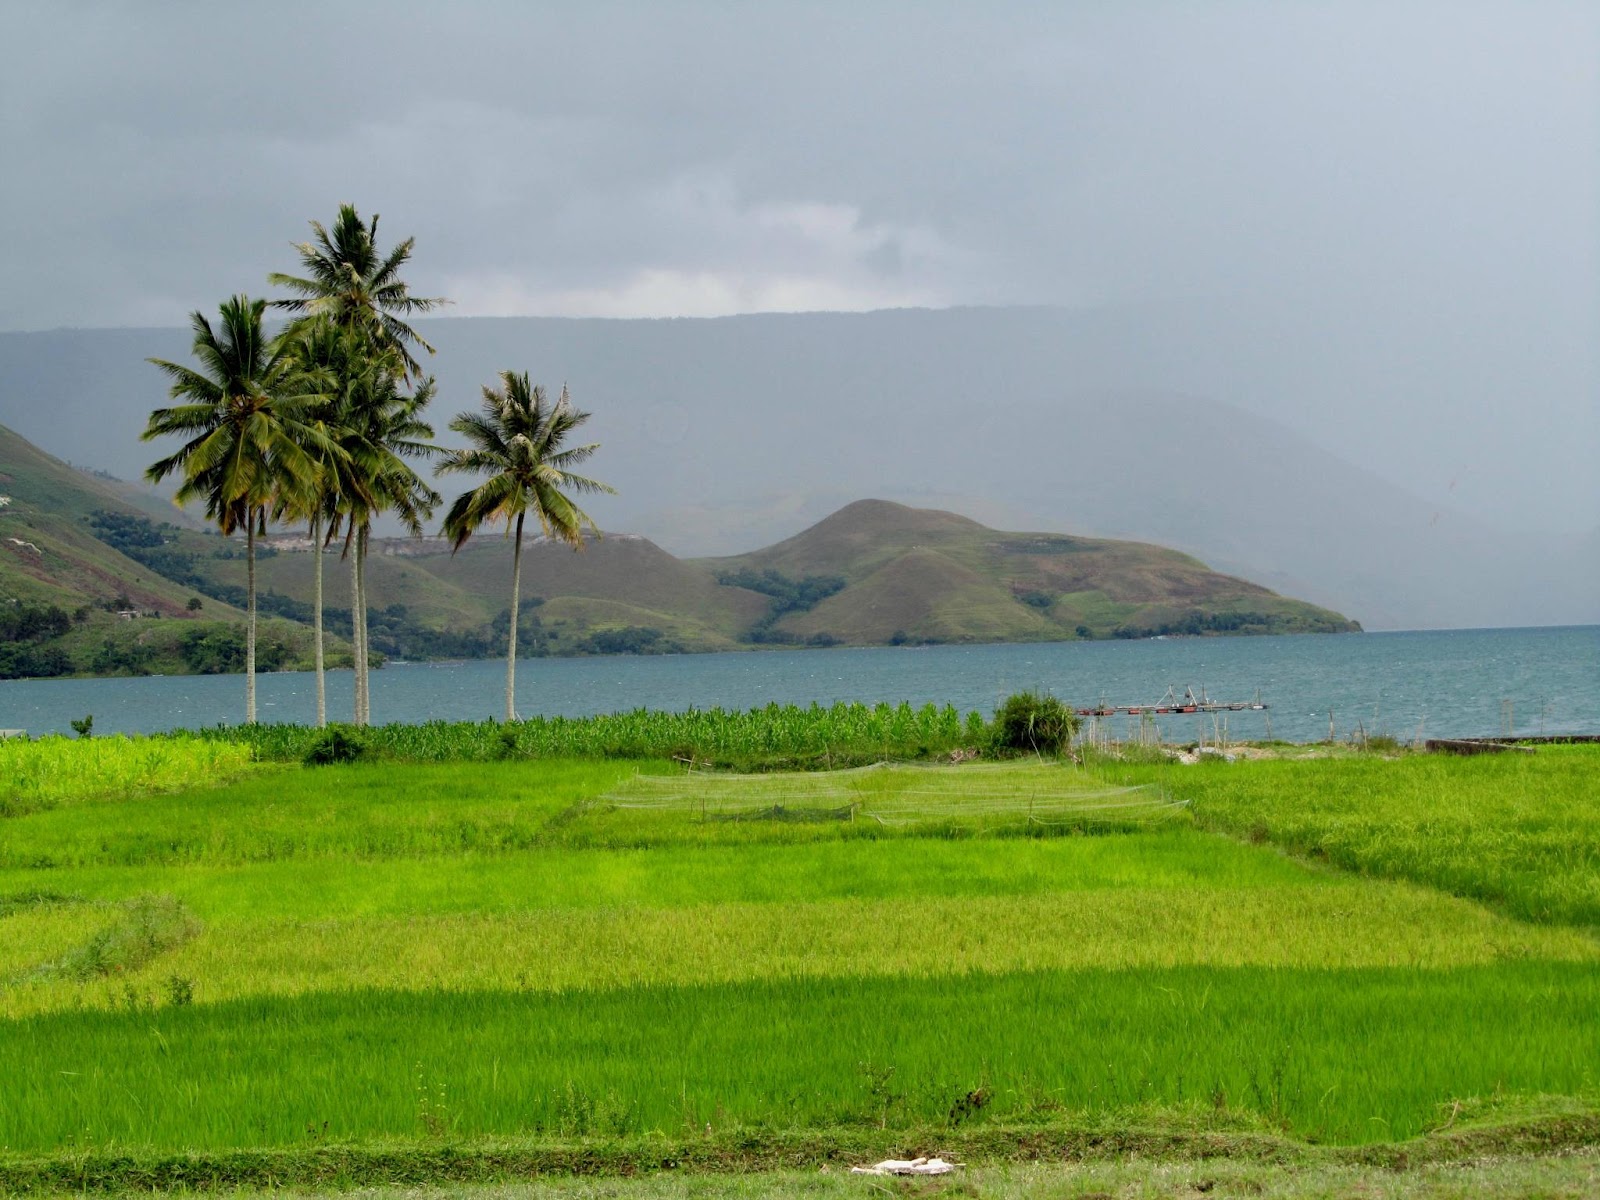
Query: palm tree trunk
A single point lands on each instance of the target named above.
(316, 575)
(361, 578)
(250, 618)
(511, 642)
(355, 632)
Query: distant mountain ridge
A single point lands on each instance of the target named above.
(873, 573)
(731, 433)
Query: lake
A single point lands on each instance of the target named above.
(1438, 683)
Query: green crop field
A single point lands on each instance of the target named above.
(1520, 832)
(392, 958)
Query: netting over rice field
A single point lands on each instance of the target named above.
(899, 794)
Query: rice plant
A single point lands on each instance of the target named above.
(1353, 1055)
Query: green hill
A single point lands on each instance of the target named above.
(81, 554)
(92, 580)
(918, 575)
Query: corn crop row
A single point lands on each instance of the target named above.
(788, 733)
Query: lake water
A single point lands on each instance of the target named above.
(1450, 683)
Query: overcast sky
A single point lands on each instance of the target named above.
(1403, 198)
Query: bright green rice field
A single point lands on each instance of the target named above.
(1343, 951)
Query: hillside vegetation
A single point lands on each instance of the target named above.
(919, 575)
(874, 573)
(77, 549)
(94, 581)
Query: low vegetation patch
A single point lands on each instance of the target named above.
(41, 773)
(1517, 831)
(67, 939)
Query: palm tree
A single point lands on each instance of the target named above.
(243, 418)
(379, 428)
(518, 439)
(336, 358)
(353, 285)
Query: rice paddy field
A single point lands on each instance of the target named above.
(239, 972)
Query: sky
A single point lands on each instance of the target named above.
(1392, 210)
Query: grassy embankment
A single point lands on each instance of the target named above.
(592, 963)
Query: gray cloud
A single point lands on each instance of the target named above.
(1388, 211)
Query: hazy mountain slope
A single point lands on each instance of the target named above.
(615, 581)
(64, 585)
(622, 568)
(752, 426)
(48, 553)
(438, 602)
(873, 572)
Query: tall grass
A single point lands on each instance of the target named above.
(451, 950)
(42, 773)
(1346, 1055)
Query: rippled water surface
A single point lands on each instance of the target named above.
(1458, 682)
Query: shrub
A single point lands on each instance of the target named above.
(334, 744)
(1033, 724)
(506, 745)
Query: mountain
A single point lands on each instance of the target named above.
(921, 575)
(727, 434)
(78, 593)
(49, 551)
(91, 584)
(873, 573)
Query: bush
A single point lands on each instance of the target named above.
(1033, 724)
(334, 744)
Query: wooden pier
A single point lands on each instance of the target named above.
(1173, 703)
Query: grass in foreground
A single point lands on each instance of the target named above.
(1350, 1056)
(428, 955)
(1517, 831)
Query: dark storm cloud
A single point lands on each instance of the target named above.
(1381, 219)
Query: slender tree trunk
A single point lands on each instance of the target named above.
(366, 669)
(250, 618)
(316, 575)
(511, 642)
(355, 631)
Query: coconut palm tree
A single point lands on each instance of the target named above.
(243, 418)
(337, 360)
(380, 428)
(349, 282)
(519, 440)
(350, 285)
